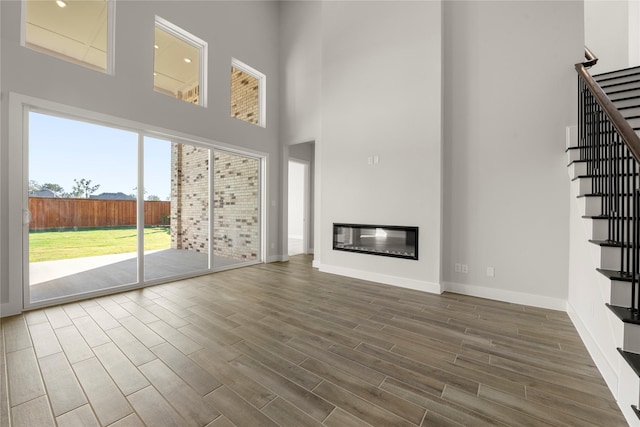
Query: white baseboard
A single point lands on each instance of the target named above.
(506, 296)
(609, 373)
(8, 309)
(316, 264)
(402, 282)
(277, 258)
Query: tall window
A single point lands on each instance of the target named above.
(79, 31)
(247, 93)
(179, 66)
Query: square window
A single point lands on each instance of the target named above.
(247, 94)
(179, 65)
(78, 31)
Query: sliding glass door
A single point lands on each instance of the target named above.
(176, 209)
(82, 234)
(110, 209)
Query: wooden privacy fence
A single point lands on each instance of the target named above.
(54, 213)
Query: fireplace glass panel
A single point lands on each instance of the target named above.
(385, 240)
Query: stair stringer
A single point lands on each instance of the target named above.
(599, 329)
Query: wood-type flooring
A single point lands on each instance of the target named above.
(282, 344)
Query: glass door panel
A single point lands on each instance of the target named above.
(176, 209)
(82, 235)
(236, 209)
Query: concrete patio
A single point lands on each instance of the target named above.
(54, 279)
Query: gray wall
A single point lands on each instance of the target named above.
(381, 96)
(612, 32)
(504, 191)
(509, 93)
(247, 31)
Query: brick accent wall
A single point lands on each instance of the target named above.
(235, 203)
(191, 95)
(235, 206)
(190, 198)
(245, 104)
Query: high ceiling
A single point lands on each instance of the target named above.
(78, 32)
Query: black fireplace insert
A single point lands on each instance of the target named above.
(385, 240)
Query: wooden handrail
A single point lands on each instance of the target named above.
(631, 139)
(591, 59)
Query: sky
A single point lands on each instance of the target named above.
(61, 150)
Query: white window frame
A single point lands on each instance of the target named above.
(262, 89)
(111, 39)
(196, 42)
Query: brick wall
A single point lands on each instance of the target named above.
(235, 203)
(189, 198)
(235, 207)
(245, 103)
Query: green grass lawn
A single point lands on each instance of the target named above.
(56, 245)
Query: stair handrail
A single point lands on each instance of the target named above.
(631, 139)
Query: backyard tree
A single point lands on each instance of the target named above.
(83, 188)
(56, 189)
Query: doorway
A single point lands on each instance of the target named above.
(298, 207)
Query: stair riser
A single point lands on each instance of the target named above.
(631, 339)
(592, 206)
(622, 77)
(628, 91)
(628, 389)
(577, 169)
(586, 184)
(627, 103)
(620, 292)
(623, 86)
(599, 229)
(610, 258)
(572, 156)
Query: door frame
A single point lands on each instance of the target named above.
(18, 298)
(306, 197)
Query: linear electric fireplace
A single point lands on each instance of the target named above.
(386, 240)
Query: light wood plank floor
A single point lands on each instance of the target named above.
(283, 344)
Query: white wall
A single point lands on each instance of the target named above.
(300, 55)
(306, 152)
(634, 33)
(247, 31)
(612, 32)
(381, 96)
(296, 199)
(509, 92)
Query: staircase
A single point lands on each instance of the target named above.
(605, 171)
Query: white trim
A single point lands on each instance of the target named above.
(198, 43)
(277, 258)
(111, 37)
(306, 208)
(140, 209)
(608, 372)
(262, 88)
(506, 296)
(402, 282)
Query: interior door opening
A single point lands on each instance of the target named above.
(298, 207)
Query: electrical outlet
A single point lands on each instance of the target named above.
(465, 268)
(491, 272)
(458, 268)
